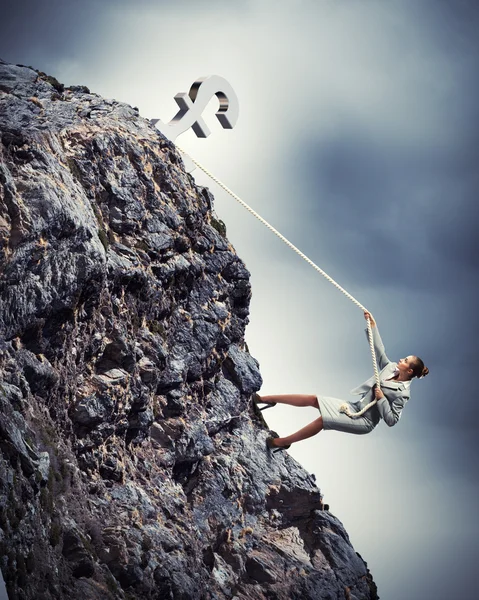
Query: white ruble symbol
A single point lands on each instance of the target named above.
(192, 106)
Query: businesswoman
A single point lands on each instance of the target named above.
(392, 396)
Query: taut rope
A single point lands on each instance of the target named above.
(344, 407)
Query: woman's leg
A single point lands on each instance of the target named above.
(306, 432)
(292, 399)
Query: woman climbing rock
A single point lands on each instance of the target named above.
(392, 396)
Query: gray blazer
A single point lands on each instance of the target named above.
(396, 392)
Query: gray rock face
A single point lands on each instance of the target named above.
(132, 464)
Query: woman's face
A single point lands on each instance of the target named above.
(405, 365)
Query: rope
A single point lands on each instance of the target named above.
(344, 407)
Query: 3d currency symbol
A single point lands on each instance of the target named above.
(192, 106)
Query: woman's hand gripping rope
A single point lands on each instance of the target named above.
(345, 408)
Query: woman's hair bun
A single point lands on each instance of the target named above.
(418, 368)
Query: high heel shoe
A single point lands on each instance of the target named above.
(257, 400)
(272, 446)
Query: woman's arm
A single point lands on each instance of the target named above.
(389, 411)
(381, 357)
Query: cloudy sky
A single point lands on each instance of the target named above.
(357, 139)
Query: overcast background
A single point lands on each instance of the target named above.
(357, 139)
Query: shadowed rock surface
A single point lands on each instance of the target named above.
(132, 465)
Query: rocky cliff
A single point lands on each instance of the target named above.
(132, 464)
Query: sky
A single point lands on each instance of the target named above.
(357, 138)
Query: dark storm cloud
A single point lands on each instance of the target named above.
(408, 214)
(455, 21)
(395, 187)
(42, 32)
